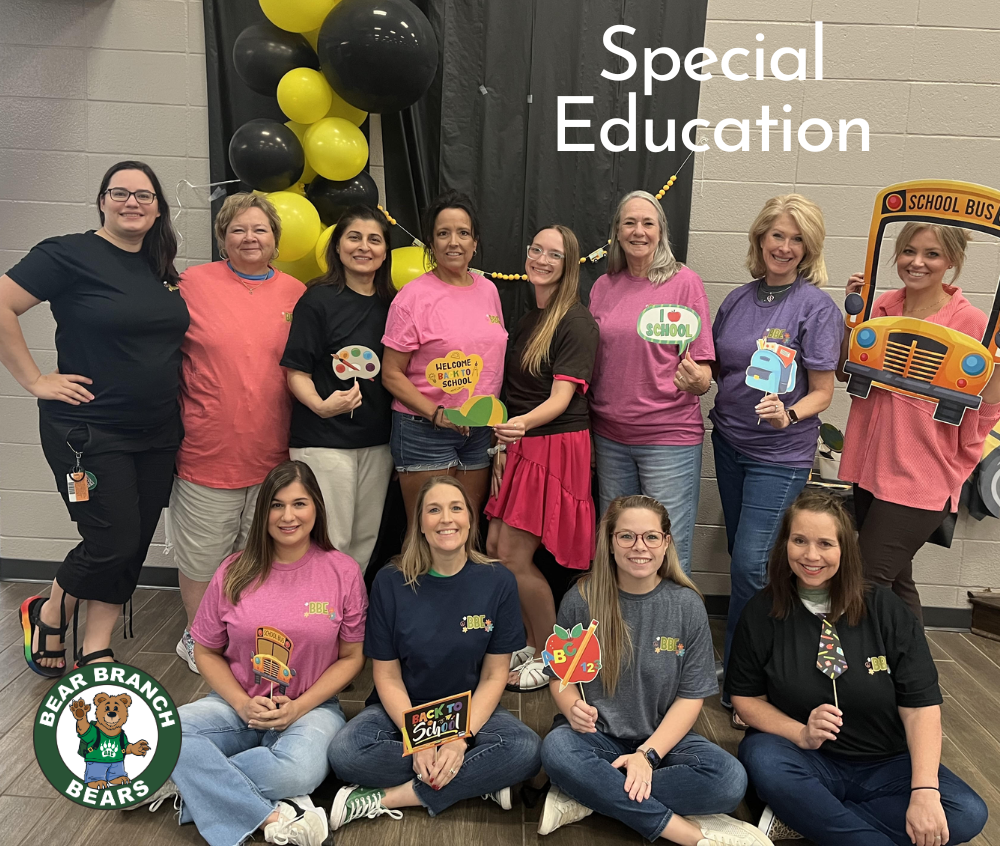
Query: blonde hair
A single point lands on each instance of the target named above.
(416, 559)
(664, 264)
(809, 219)
(953, 242)
(600, 587)
(565, 297)
(234, 206)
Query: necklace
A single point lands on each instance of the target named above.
(250, 288)
(774, 292)
(242, 278)
(932, 307)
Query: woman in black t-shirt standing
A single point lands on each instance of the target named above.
(108, 415)
(341, 425)
(541, 485)
(855, 761)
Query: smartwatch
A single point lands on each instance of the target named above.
(792, 416)
(651, 756)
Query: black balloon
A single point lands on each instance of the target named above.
(379, 55)
(266, 155)
(333, 198)
(263, 54)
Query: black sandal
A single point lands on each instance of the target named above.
(30, 624)
(82, 660)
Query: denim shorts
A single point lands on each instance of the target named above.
(418, 447)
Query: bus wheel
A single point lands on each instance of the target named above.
(949, 412)
(989, 482)
(859, 386)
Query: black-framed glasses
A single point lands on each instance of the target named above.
(537, 252)
(121, 195)
(652, 540)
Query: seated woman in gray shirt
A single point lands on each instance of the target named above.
(627, 751)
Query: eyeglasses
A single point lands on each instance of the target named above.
(652, 540)
(121, 195)
(537, 252)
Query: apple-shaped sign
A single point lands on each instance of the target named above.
(573, 655)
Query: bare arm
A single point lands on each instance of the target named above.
(215, 670)
(823, 725)
(558, 401)
(394, 364)
(677, 722)
(926, 823)
(304, 390)
(392, 693)
(817, 400)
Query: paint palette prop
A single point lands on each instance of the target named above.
(773, 368)
(356, 362)
(573, 656)
(669, 324)
(478, 411)
(437, 722)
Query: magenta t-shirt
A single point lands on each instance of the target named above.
(430, 319)
(288, 630)
(632, 398)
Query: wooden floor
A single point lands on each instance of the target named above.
(33, 814)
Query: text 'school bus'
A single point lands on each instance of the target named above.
(271, 659)
(916, 357)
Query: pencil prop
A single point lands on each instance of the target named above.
(573, 656)
(355, 362)
(830, 660)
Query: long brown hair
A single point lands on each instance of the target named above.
(600, 586)
(847, 587)
(336, 276)
(253, 565)
(415, 560)
(566, 295)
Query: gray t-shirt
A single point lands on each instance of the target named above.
(672, 657)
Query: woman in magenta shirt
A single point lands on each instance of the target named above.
(644, 403)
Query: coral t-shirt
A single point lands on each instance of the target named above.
(235, 405)
(288, 630)
(430, 319)
(633, 399)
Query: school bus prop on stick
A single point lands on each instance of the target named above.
(270, 661)
(916, 357)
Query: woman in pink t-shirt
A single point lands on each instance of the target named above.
(444, 343)
(907, 468)
(235, 405)
(644, 402)
(278, 635)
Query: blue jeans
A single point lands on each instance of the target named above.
(695, 777)
(369, 752)
(418, 447)
(669, 474)
(754, 497)
(231, 777)
(835, 802)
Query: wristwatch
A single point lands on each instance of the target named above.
(792, 416)
(651, 756)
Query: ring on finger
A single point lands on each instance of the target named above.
(453, 771)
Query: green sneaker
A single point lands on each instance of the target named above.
(353, 802)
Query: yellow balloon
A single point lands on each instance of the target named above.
(308, 173)
(342, 109)
(407, 264)
(300, 224)
(305, 269)
(321, 244)
(297, 15)
(336, 148)
(304, 95)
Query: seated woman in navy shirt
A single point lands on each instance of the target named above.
(442, 619)
(861, 767)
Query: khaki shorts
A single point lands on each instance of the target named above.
(204, 525)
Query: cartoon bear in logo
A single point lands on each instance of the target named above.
(103, 744)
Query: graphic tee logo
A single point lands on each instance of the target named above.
(476, 621)
(877, 664)
(320, 608)
(668, 644)
(107, 736)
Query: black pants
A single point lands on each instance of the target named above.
(134, 472)
(890, 536)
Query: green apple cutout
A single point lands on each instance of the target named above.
(669, 324)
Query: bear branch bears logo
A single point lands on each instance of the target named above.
(107, 736)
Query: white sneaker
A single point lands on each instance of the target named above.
(353, 802)
(560, 810)
(724, 830)
(299, 822)
(775, 828)
(501, 797)
(185, 650)
(154, 800)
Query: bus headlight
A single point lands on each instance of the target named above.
(866, 338)
(973, 364)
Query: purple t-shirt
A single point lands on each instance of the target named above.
(805, 319)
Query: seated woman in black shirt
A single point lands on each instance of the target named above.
(854, 762)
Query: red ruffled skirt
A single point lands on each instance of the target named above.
(546, 491)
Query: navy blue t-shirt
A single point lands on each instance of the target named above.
(441, 631)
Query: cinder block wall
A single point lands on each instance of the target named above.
(923, 74)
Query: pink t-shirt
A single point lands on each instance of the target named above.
(633, 399)
(430, 318)
(893, 447)
(235, 404)
(288, 630)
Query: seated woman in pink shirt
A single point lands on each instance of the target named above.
(278, 635)
(907, 468)
(235, 406)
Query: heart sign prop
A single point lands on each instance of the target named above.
(478, 411)
(455, 372)
(356, 362)
(669, 324)
(573, 656)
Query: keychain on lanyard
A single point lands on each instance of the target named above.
(77, 481)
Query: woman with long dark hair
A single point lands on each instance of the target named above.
(108, 414)
(341, 419)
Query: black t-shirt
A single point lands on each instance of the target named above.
(888, 666)
(116, 323)
(441, 631)
(324, 322)
(571, 354)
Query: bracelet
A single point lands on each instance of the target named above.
(938, 789)
(434, 417)
(497, 449)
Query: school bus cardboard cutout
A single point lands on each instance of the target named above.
(916, 357)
